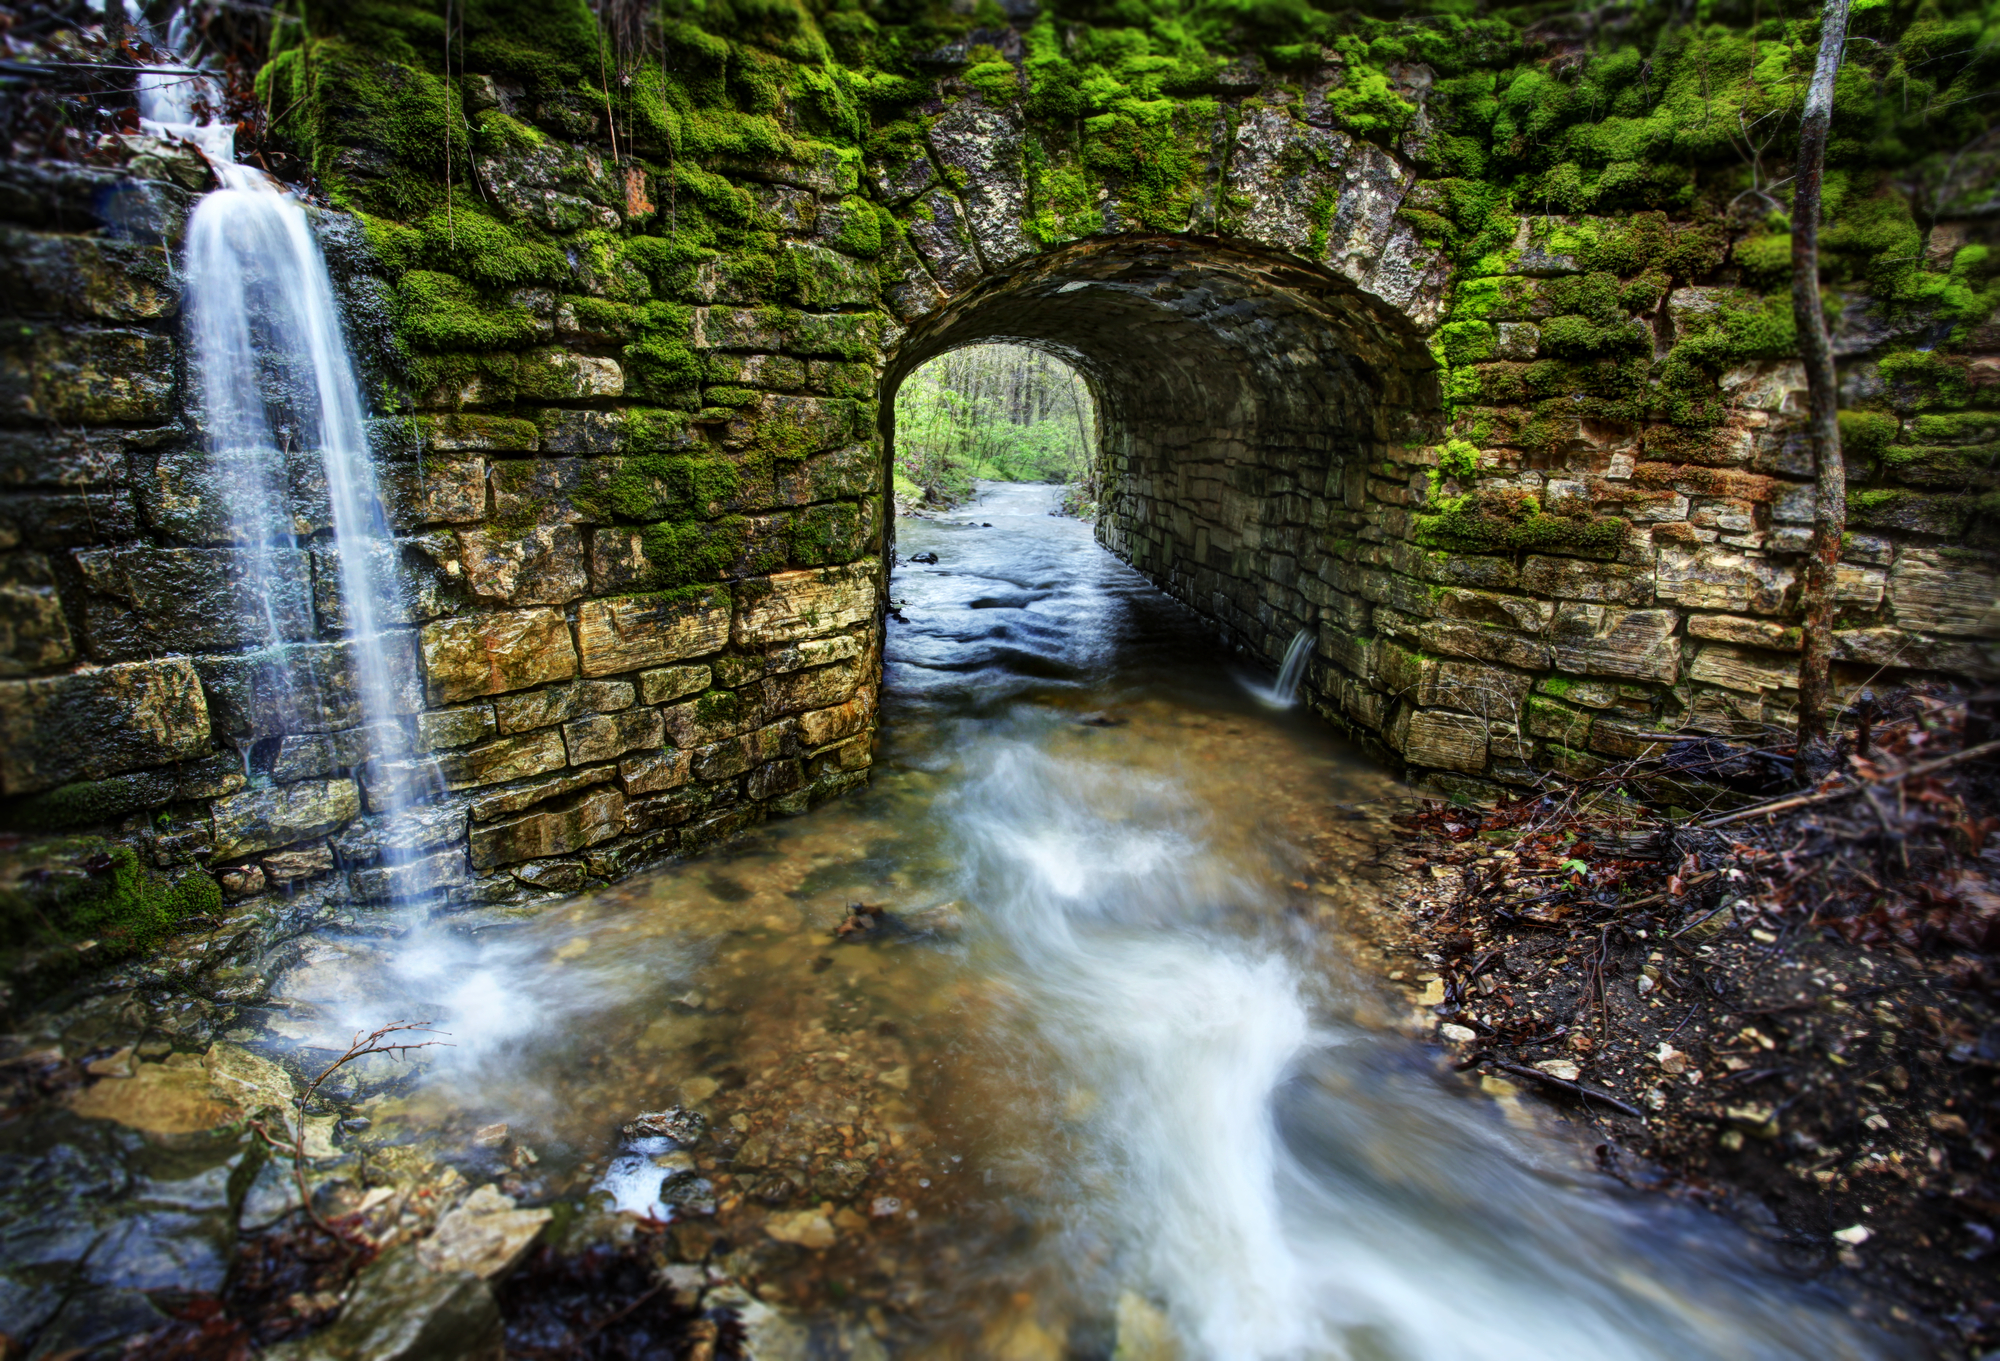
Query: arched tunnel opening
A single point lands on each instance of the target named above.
(1243, 400)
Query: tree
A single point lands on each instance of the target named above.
(1815, 743)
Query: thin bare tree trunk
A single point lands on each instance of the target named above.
(1816, 749)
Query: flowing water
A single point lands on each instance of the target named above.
(280, 409)
(1098, 1076)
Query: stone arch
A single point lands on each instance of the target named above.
(1242, 393)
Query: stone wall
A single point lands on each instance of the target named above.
(1507, 423)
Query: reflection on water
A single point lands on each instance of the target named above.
(1039, 1047)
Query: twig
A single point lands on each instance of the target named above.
(1576, 1089)
(1828, 796)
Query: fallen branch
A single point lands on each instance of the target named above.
(1828, 796)
(1575, 1089)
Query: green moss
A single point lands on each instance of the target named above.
(1459, 459)
(1502, 520)
(1865, 434)
(94, 890)
(691, 552)
(439, 312)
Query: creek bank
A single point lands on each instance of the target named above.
(1790, 1019)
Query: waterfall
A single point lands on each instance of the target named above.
(1283, 693)
(276, 384)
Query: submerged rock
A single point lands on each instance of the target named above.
(677, 1123)
(485, 1236)
(401, 1310)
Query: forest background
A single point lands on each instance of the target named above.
(1004, 413)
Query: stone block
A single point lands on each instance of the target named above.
(538, 708)
(1552, 719)
(503, 802)
(651, 772)
(835, 475)
(817, 688)
(1440, 737)
(821, 727)
(557, 876)
(34, 634)
(600, 737)
(470, 432)
(417, 877)
(1602, 640)
(722, 760)
(1613, 583)
(1475, 572)
(1715, 578)
(714, 716)
(87, 377)
(593, 818)
(1488, 691)
(99, 723)
(667, 810)
(774, 779)
(507, 758)
(1864, 586)
(492, 654)
(672, 682)
(540, 565)
(606, 697)
(795, 605)
(1898, 647)
(1489, 607)
(433, 492)
(1729, 628)
(1737, 669)
(1484, 642)
(559, 375)
(300, 688)
(302, 755)
(1932, 593)
(636, 632)
(1623, 739)
(264, 819)
(459, 727)
(142, 601)
(287, 866)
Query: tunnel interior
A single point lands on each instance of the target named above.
(1242, 399)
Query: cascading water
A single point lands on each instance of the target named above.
(1283, 692)
(276, 385)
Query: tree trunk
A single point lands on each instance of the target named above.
(1816, 756)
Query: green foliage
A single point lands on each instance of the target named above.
(1493, 520)
(92, 890)
(999, 412)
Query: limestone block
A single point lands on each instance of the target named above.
(551, 491)
(651, 772)
(93, 277)
(618, 561)
(1622, 738)
(555, 186)
(1439, 737)
(506, 758)
(302, 688)
(301, 755)
(1489, 691)
(143, 600)
(1932, 593)
(1605, 641)
(433, 492)
(564, 376)
(1558, 722)
(593, 818)
(815, 688)
(1571, 690)
(1727, 628)
(287, 866)
(1899, 647)
(1518, 340)
(1614, 583)
(1345, 649)
(542, 565)
(646, 815)
(515, 798)
(418, 877)
(722, 760)
(672, 682)
(459, 727)
(636, 632)
(984, 144)
(898, 179)
(565, 431)
(34, 634)
(820, 727)
(1854, 584)
(1710, 577)
(794, 605)
(1489, 607)
(1737, 669)
(469, 432)
(485, 1235)
(813, 652)
(599, 737)
(87, 377)
(1909, 512)
(1774, 385)
(98, 723)
(1482, 642)
(939, 234)
(709, 719)
(262, 819)
(835, 474)
(791, 427)
(491, 654)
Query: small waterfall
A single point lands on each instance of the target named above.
(1283, 693)
(280, 407)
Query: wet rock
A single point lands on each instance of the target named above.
(484, 1236)
(460, 727)
(99, 723)
(97, 1318)
(401, 1310)
(672, 682)
(984, 145)
(677, 1123)
(188, 1095)
(263, 819)
(806, 1228)
(542, 565)
(549, 832)
(557, 876)
(87, 377)
(302, 688)
(144, 600)
(601, 737)
(1601, 640)
(513, 800)
(644, 631)
(495, 653)
(794, 605)
(562, 375)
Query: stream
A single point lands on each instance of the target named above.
(1091, 1070)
